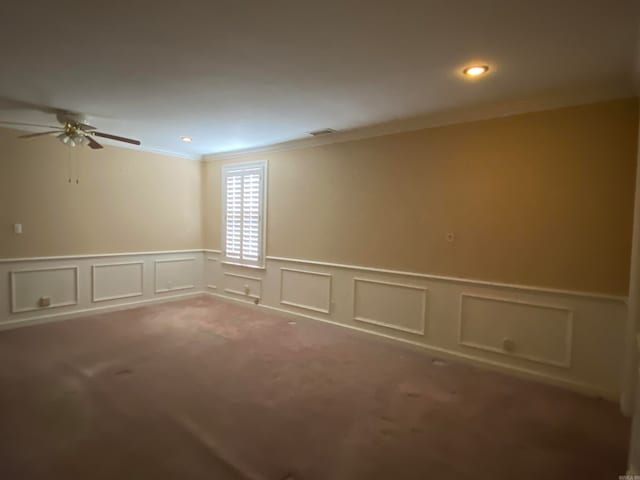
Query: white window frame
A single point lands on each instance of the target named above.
(227, 170)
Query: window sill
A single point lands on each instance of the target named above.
(254, 267)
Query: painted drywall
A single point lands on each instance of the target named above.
(629, 399)
(125, 200)
(542, 199)
(633, 319)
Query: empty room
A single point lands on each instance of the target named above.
(338, 240)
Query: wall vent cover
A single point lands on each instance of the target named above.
(324, 131)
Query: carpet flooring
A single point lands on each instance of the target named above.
(201, 389)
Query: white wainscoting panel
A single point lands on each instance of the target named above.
(539, 332)
(571, 339)
(211, 273)
(173, 274)
(61, 284)
(113, 281)
(236, 283)
(306, 289)
(89, 283)
(393, 305)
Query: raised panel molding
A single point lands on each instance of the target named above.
(14, 279)
(302, 298)
(257, 281)
(503, 322)
(177, 272)
(119, 282)
(452, 326)
(409, 304)
(213, 260)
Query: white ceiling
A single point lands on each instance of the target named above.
(235, 74)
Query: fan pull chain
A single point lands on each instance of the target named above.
(69, 165)
(73, 164)
(77, 167)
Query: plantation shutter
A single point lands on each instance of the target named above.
(243, 197)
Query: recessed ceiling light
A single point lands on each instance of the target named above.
(475, 70)
(186, 139)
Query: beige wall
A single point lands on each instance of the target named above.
(541, 199)
(126, 200)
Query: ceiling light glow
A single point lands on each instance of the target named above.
(186, 139)
(475, 70)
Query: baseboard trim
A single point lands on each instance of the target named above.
(59, 317)
(578, 387)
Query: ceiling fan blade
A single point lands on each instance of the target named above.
(31, 135)
(115, 137)
(11, 104)
(20, 124)
(92, 143)
(86, 127)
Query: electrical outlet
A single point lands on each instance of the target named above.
(44, 302)
(247, 290)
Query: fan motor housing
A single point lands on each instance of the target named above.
(71, 117)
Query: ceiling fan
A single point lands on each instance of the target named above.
(73, 131)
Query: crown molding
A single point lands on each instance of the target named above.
(475, 113)
(158, 151)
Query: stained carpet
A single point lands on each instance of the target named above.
(201, 389)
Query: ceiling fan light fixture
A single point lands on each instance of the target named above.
(73, 131)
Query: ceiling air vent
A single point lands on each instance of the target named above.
(320, 133)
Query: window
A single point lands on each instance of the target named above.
(243, 199)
